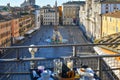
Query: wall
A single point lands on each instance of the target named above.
(110, 25)
(37, 18)
(5, 33)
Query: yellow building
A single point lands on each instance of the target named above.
(5, 33)
(110, 23)
(110, 34)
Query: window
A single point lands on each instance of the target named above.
(106, 7)
(106, 4)
(115, 6)
(106, 11)
(116, 29)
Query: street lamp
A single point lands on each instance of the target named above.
(32, 52)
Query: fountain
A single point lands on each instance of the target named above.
(56, 37)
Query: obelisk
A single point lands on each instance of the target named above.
(57, 38)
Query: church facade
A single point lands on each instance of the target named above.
(28, 3)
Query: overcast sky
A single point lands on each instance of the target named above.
(38, 2)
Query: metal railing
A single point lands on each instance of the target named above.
(107, 67)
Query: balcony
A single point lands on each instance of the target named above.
(106, 67)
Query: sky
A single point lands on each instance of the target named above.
(38, 2)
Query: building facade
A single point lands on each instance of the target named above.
(71, 12)
(60, 14)
(49, 18)
(15, 24)
(93, 10)
(48, 15)
(82, 18)
(111, 23)
(26, 23)
(5, 33)
(14, 29)
(37, 18)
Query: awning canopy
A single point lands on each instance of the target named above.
(102, 51)
(98, 50)
(36, 28)
(19, 38)
(30, 31)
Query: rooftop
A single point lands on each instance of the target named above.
(8, 17)
(74, 2)
(115, 14)
(15, 12)
(46, 7)
(110, 1)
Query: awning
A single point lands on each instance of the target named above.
(36, 28)
(98, 50)
(19, 38)
(30, 31)
(113, 62)
(102, 51)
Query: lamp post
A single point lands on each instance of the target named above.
(32, 52)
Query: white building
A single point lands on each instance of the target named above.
(91, 16)
(48, 15)
(37, 18)
(82, 17)
(49, 18)
(71, 12)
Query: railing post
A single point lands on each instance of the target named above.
(100, 67)
(74, 51)
(75, 55)
(17, 56)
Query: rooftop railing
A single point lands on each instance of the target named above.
(107, 67)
